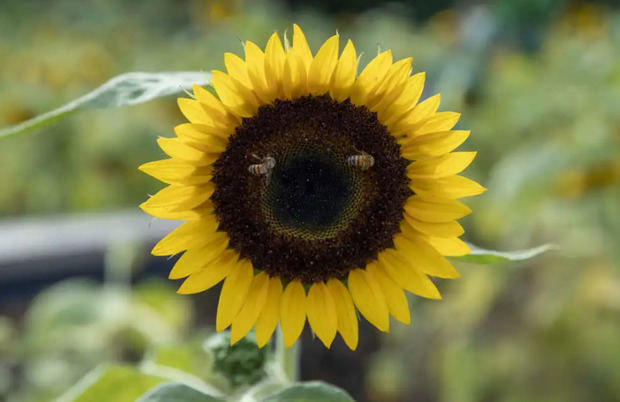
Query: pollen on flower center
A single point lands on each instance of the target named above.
(311, 194)
(313, 216)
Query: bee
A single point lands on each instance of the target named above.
(264, 168)
(363, 161)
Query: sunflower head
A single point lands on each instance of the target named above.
(312, 191)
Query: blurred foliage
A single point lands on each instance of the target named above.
(76, 324)
(537, 82)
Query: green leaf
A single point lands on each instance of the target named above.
(123, 90)
(310, 392)
(176, 392)
(260, 391)
(482, 256)
(111, 383)
(181, 377)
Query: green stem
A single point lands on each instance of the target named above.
(288, 358)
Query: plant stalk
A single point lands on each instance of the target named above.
(288, 358)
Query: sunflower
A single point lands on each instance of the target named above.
(312, 191)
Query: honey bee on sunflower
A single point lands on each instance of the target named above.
(312, 191)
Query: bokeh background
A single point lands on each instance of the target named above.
(538, 83)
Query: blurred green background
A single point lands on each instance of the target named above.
(538, 83)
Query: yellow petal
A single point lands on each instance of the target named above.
(439, 229)
(235, 66)
(405, 102)
(435, 210)
(451, 246)
(344, 73)
(274, 64)
(167, 213)
(394, 295)
(415, 116)
(182, 150)
(321, 313)
(180, 213)
(369, 299)
(322, 67)
(255, 300)
(226, 89)
(235, 96)
(300, 60)
(220, 116)
(233, 294)
(189, 234)
(207, 277)
(209, 102)
(451, 187)
(423, 256)
(440, 166)
(371, 77)
(201, 133)
(293, 312)
(174, 171)
(269, 316)
(345, 310)
(193, 111)
(301, 48)
(432, 144)
(401, 270)
(178, 198)
(289, 77)
(210, 145)
(392, 86)
(294, 77)
(255, 63)
(195, 259)
(442, 121)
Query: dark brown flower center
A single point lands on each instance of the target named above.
(296, 193)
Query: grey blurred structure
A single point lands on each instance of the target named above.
(37, 251)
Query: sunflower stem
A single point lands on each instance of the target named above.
(288, 358)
